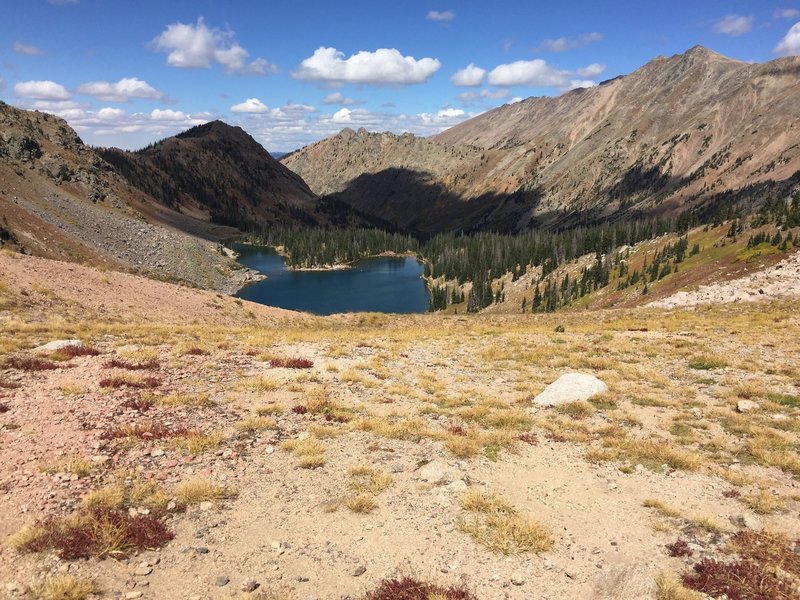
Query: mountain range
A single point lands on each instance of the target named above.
(679, 133)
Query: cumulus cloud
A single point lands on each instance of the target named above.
(469, 76)
(41, 90)
(341, 99)
(592, 70)
(575, 84)
(121, 91)
(471, 97)
(450, 113)
(20, 48)
(734, 25)
(251, 105)
(445, 15)
(786, 13)
(110, 114)
(167, 114)
(562, 44)
(790, 44)
(384, 66)
(197, 46)
(533, 73)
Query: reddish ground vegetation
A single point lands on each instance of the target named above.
(73, 351)
(408, 588)
(4, 408)
(300, 409)
(197, 352)
(679, 548)
(528, 438)
(732, 493)
(9, 385)
(767, 568)
(148, 365)
(291, 363)
(30, 363)
(98, 533)
(140, 404)
(115, 382)
(457, 429)
(337, 418)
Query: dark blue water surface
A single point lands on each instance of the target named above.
(388, 285)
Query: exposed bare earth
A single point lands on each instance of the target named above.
(397, 389)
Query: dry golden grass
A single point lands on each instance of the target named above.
(255, 424)
(361, 503)
(197, 442)
(257, 384)
(267, 410)
(107, 497)
(668, 587)
(64, 587)
(364, 479)
(765, 502)
(663, 509)
(200, 489)
(309, 452)
(495, 524)
(198, 400)
(75, 465)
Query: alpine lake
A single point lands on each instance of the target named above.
(380, 284)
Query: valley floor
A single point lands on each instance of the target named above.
(320, 456)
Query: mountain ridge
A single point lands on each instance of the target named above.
(674, 135)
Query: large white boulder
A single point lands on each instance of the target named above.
(570, 388)
(57, 345)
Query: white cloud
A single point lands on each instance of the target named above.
(41, 90)
(341, 99)
(199, 46)
(575, 84)
(563, 44)
(342, 115)
(384, 66)
(790, 44)
(533, 73)
(515, 99)
(251, 105)
(167, 115)
(469, 76)
(20, 48)
(734, 25)
(451, 112)
(54, 106)
(592, 70)
(445, 15)
(471, 97)
(121, 91)
(110, 114)
(786, 13)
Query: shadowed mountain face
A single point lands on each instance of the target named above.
(221, 171)
(670, 136)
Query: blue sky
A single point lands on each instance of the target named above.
(127, 73)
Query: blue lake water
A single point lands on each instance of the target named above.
(384, 284)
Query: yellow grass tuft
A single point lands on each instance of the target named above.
(361, 503)
(255, 424)
(199, 489)
(64, 587)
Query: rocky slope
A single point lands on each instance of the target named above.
(679, 132)
(59, 199)
(221, 173)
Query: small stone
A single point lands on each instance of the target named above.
(301, 578)
(746, 406)
(517, 579)
(157, 452)
(250, 585)
(133, 595)
(547, 564)
(222, 581)
(747, 521)
(201, 550)
(143, 570)
(12, 586)
(456, 487)
(439, 473)
(359, 571)
(206, 506)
